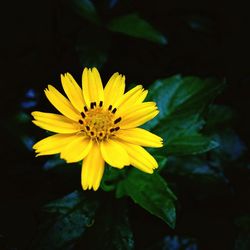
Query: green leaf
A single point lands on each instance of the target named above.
(218, 115)
(193, 167)
(86, 9)
(113, 176)
(181, 101)
(92, 47)
(151, 192)
(112, 229)
(242, 241)
(69, 218)
(178, 95)
(198, 176)
(135, 26)
(189, 144)
(231, 146)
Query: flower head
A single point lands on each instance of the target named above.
(98, 125)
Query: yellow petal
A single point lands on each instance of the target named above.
(138, 114)
(114, 90)
(92, 86)
(140, 158)
(134, 96)
(52, 144)
(140, 137)
(55, 123)
(141, 97)
(61, 103)
(73, 91)
(77, 149)
(114, 154)
(92, 168)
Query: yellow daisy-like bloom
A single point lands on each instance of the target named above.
(98, 125)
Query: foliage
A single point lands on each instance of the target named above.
(197, 163)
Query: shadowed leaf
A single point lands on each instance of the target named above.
(135, 26)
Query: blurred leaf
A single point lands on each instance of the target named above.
(23, 117)
(151, 192)
(175, 243)
(161, 160)
(198, 176)
(28, 142)
(69, 219)
(112, 230)
(201, 23)
(192, 167)
(86, 9)
(135, 26)
(53, 162)
(92, 47)
(231, 146)
(242, 241)
(112, 3)
(189, 144)
(218, 115)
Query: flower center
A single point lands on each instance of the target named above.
(99, 123)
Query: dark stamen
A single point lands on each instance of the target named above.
(83, 115)
(92, 133)
(101, 103)
(88, 128)
(80, 121)
(117, 120)
(112, 130)
(110, 107)
(100, 134)
(85, 109)
(117, 128)
(92, 105)
(114, 110)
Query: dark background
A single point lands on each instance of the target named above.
(38, 43)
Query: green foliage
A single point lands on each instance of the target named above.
(151, 192)
(112, 230)
(135, 26)
(70, 217)
(194, 143)
(86, 9)
(182, 101)
(92, 47)
(243, 238)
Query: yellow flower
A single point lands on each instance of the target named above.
(98, 125)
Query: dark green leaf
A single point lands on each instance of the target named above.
(189, 144)
(174, 242)
(198, 176)
(86, 9)
(218, 115)
(181, 101)
(231, 146)
(112, 177)
(178, 95)
(69, 218)
(92, 48)
(242, 241)
(111, 230)
(192, 167)
(151, 192)
(135, 26)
